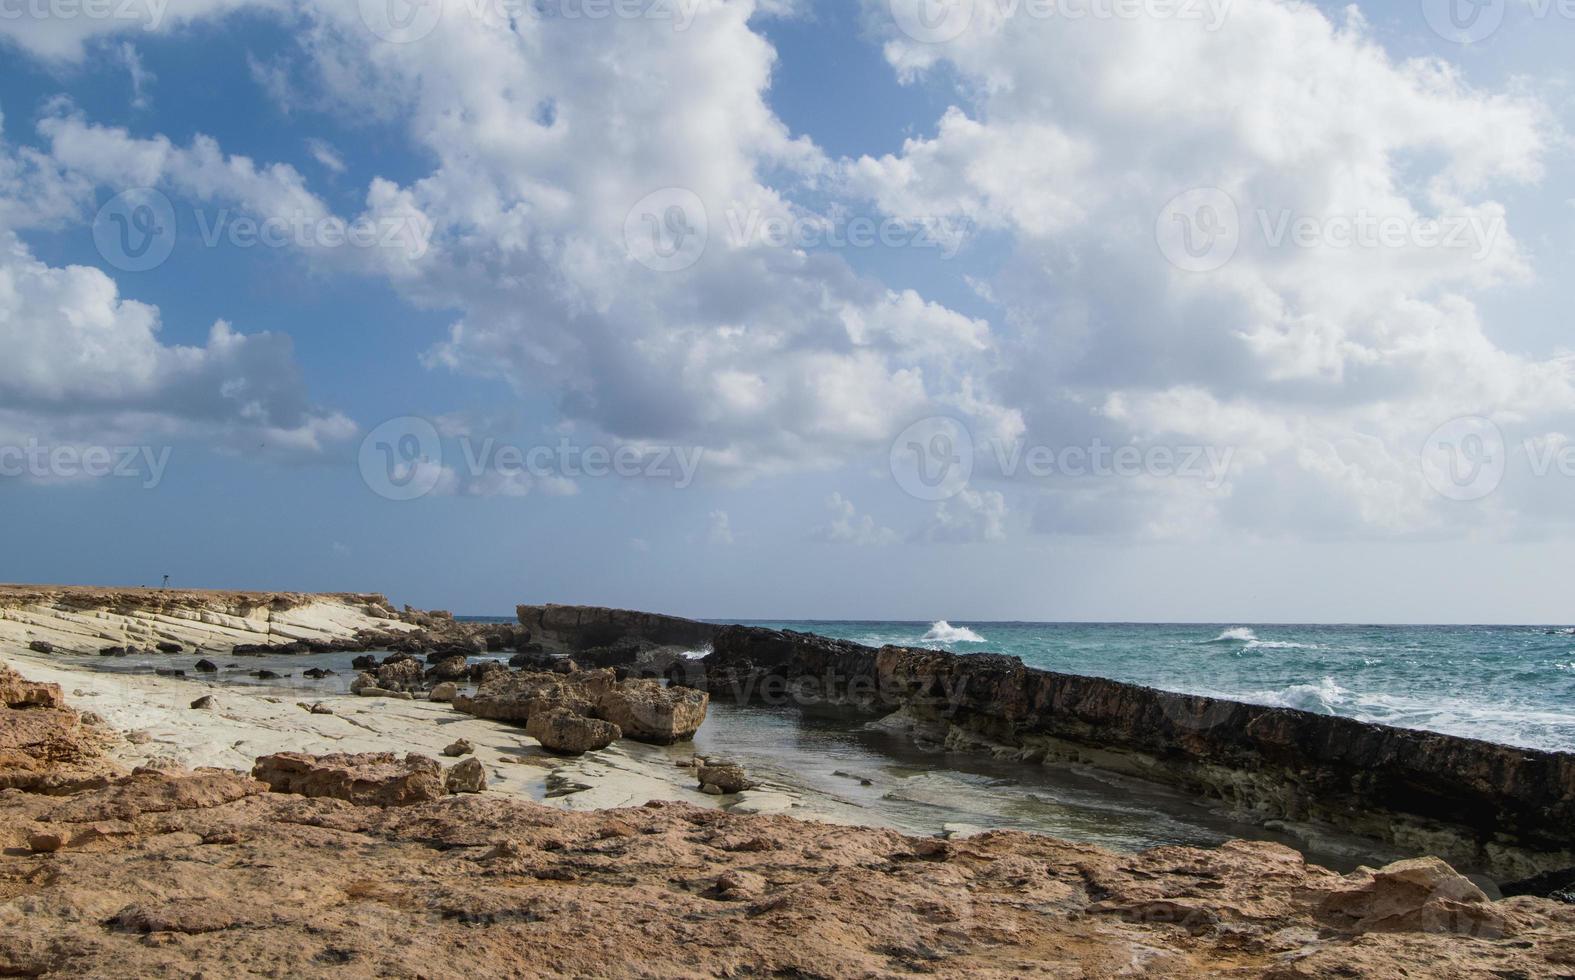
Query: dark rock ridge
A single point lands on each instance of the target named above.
(1509, 812)
(576, 629)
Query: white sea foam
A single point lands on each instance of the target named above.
(700, 654)
(1244, 637)
(944, 632)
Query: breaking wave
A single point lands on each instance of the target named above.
(944, 632)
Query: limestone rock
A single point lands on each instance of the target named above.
(728, 777)
(466, 777)
(445, 691)
(400, 675)
(455, 668)
(456, 749)
(15, 692)
(648, 712)
(561, 730)
(366, 779)
(1418, 895)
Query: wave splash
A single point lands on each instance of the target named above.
(1244, 638)
(943, 632)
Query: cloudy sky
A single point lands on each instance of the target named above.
(1216, 310)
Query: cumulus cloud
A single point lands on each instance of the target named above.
(1358, 194)
(848, 526)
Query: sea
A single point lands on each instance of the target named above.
(1509, 684)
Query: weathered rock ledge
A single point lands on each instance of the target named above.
(1508, 812)
(363, 866)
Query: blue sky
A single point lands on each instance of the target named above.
(1376, 429)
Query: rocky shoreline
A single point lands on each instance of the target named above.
(480, 865)
(389, 864)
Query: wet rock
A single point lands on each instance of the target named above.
(366, 779)
(400, 675)
(168, 646)
(561, 730)
(728, 777)
(468, 776)
(534, 659)
(206, 667)
(267, 675)
(364, 662)
(204, 703)
(112, 652)
(317, 673)
(445, 691)
(41, 646)
(169, 672)
(456, 749)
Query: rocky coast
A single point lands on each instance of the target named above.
(551, 816)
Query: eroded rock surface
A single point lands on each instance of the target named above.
(180, 873)
(641, 709)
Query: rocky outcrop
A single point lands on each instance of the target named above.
(727, 777)
(1506, 811)
(640, 709)
(648, 712)
(45, 746)
(365, 779)
(563, 731)
(571, 629)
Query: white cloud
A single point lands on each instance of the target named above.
(324, 153)
(1323, 365)
(972, 515)
(719, 528)
(848, 526)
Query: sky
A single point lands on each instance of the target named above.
(1112, 310)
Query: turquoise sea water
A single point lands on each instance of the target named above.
(1509, 684)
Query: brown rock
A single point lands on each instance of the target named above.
(1418, 895)
(456, 749)
(648, 712)
(454, 668)
(367, 779)
(728, 777)
(15, 692)
(203, 703)
(466, 777)
(400, 675)
(561, 730)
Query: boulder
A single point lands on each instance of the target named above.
(510, 697)
(480, 672)
(15, 692)
(560, 730)
(728, 777)
(168, 646)
(41, 646)
(364, 662)
(362, 682)
(449, 669)
(456, 749)
(1418, 895)
(112, 651)
(206, 667)
(466, 777)
(317, 673)
(400, 675)
(648, 712)
(205, 702)
(366, 779)
(445, 691)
